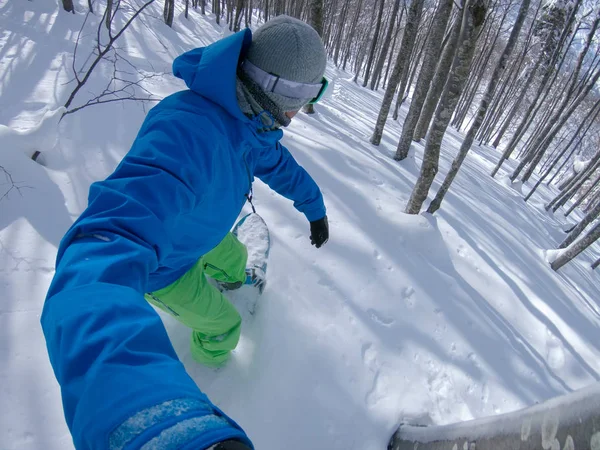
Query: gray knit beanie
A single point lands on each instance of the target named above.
(292, 50)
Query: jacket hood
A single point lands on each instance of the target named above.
(211, 71)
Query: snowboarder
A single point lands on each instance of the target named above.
(160, 223)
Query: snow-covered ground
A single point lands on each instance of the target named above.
(432, 319)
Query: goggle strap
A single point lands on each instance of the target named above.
(281, 86)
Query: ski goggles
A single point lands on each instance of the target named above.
(277, 85)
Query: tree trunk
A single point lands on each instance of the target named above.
(279, 7)
(596, 264)
(408, 76)
(388, 38)
(547, 135)
(503, 99)
(404, 81)
(439, 81)
(316, 21)
(575, 147)
(352, 33)
(391, 54)
(432, 54)
(543, 141)
(68, 6)
(187, 8)
(578, 247)
(374, 43)
(592, 203)
(216, 9)
(534, 107)
(408, 41)
(475, 66)
(574, 184)
(473, 19)
(363, 52)
(339, 33)
(595, 110)
(237, 21)
(512, 114)
(169, 12)
(477, 76)
(582, 197)
(468, 141)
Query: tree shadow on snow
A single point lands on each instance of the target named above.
(40, 201)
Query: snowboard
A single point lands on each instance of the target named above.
(252, 231)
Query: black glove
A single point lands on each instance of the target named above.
(319, 232)
(230, 445)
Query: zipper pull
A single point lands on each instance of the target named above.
(249, 198)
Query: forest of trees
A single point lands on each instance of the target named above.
(517, 76)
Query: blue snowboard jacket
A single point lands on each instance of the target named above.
(173, 198)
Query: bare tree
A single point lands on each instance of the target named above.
(316, 21)
(553, 47)
(407, 77)
(593, 113)
(169, 12)
(401, 66)
(237, 20)
(439, 80)
(118, 87)
(352, 33)
(216, 9)
(593, 185)
(374, 42)
(548, 133)
(512, 90)
(537, 149)
(576, 248)
(481, 63)
(574, 184)
(596, 264)
(591, 215)
(391, 53)
(279, 7)
(427, 71)
(339, 32)
(472, 18)
(386, 41)
(468, 141)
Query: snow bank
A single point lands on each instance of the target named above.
(39, 138)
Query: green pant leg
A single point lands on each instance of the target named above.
(227, 261)
(194, 302)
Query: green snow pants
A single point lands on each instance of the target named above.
(192, 300)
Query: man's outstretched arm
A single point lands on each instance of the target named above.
(122, 385)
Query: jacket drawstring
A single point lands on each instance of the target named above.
(249, 198)
(258, 121)
(261, 126)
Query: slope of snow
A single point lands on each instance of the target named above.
(430, 319)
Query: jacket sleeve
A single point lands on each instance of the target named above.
(122, 384)
(278, 168)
